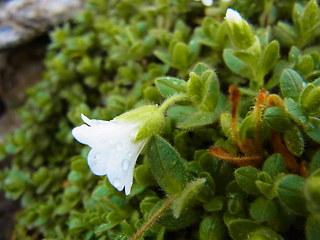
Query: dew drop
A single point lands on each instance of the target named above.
(116, 182)
(125, 164)
(119, 146)
(130, 154)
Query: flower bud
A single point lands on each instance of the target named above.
(240, 31)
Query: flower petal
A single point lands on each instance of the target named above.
(233, 16)
(99, 133)
(117, 162)
(113, 151)
(94, 122)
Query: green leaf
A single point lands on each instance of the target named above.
(305, 64)
(291, 84)
(283, 221)
(166, 166)
(297, 15)
(310, 101)
(221, 171)
(266, 185)
(236, 65)
(310, 16)
(187, 197)
(79, 164)
(267, 189)
(209, 91)
(312, 128)
(277, 119)
(286, 33)
(225, 123)
(194, 48)
(197, 119)
(248, 127)
(180, 55)
(143, 175)
(313, 227)
(248, 58)
(274, 165)
(315, 162)
(164, 57)
(295, 110)
(305, 92)
(243, 229)
(215, 204)
(246, 177)
(212, 228)
(194, 88)
(180, 113)
(207, 191)
(262, 209)
(161, 234)
(312, 192)
(294, 140)
(104, 227)
(187, 217)
(270, 57)
(290, 193)
(169, 86)
(294, 54)
(236, 198)
(200, 68)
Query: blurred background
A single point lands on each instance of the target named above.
(24, 29)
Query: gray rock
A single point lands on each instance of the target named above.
(22, 20)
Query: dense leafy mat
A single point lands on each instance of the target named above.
(238, 156)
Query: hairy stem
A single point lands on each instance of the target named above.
(153, 219)
(279, 147)
(172, 100)
(234, 97)
(239, 161)
(258, 108)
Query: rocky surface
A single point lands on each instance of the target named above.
(22, 20)
(19, 68)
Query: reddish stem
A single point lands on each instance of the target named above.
(279, 147)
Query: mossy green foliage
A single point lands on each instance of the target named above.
(119, 55)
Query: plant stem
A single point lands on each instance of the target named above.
(172, 100)
(153, 219)
(234, 97)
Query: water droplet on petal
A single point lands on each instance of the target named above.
(125, 164)
(130, 154)
(116, 183)
(119, 146)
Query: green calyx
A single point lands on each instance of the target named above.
(150, 117)
(239, 31)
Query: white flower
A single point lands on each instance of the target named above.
(114, 152)
(207, 3)
(233, 16)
